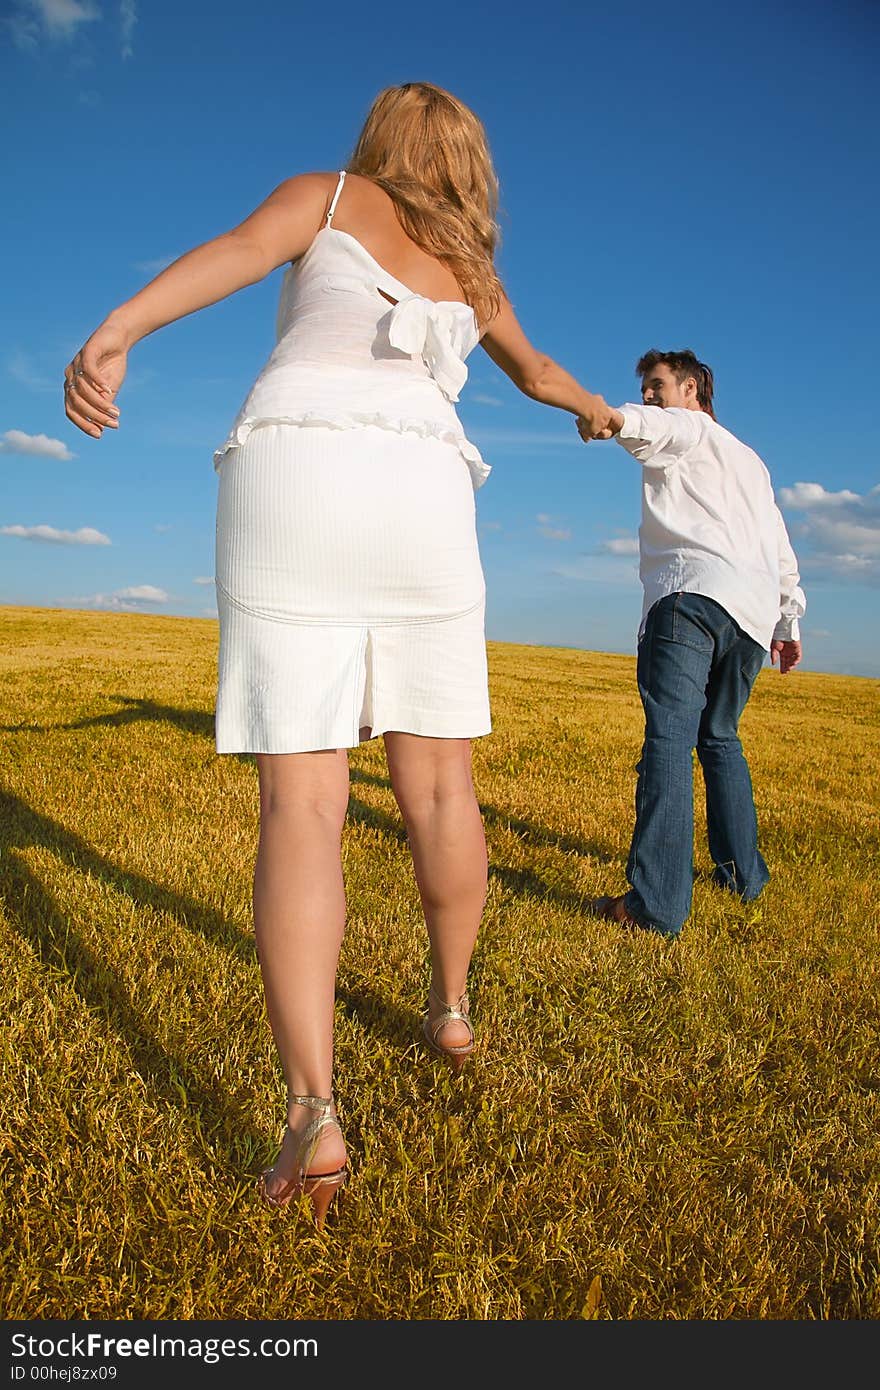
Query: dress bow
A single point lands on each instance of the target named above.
(441, 333)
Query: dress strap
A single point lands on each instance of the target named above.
(332, 207)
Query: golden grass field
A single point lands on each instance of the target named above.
(650, 1130)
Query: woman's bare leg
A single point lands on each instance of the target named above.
(432, 783)
(299, 920)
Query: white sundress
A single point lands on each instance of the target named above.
(349, 585)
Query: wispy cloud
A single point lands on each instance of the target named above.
(138, 378)
(33, 22)
(131, 600)
(153, 267)
(480, 399)
(23, 369)
(527, 439)
(86, 535)
(839, 534)
(163, 526)
(615, 570)
(34, 445)
(491, 526)
(204, 579)
(128, 20)
(611, 559)
(550, 532)
(620, 545)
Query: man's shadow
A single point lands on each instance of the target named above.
(397, 1025)
(134, 711)
(201, 723)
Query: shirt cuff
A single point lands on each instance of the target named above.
(632, 424)
(787, 630)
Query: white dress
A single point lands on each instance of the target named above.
(349, 585)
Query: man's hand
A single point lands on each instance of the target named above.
(600, 422)
(787, 654)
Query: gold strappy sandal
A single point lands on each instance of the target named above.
(452, 1013)
(320, 1188)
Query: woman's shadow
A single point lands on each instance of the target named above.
(34, 912)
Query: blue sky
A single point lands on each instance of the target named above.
(685, 175)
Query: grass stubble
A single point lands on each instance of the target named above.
(650, 1130)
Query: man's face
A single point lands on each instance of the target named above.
(661, 387)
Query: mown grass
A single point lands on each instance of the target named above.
(649, 1131)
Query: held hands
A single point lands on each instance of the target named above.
(93, 378)
(787, 654)
(598, 420)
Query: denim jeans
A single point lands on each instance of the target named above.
(696, 669)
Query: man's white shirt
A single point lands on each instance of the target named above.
(710, 523)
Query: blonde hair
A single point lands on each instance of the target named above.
(430, 154)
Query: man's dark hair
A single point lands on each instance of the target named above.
(683, 364)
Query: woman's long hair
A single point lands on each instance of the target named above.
(430, 154)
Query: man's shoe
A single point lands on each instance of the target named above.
(615, 910)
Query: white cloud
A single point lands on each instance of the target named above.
(163, 526)
(35, 445)
(839, 536)
(34, 20)
(143, 593)
(128, 20)
(491, 526)
(204, 579)
(621, 545)
(86, 535)
(810, 496)
(131, 600)
(480, 399)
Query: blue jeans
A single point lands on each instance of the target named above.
(696, 669)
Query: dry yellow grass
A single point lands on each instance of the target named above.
(650, 1131)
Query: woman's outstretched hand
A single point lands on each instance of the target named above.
(92, 379)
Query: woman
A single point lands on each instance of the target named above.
(349, 584)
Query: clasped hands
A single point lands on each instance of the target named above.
(598, 420)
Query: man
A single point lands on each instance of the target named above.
(721, 589)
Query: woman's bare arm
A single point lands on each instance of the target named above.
(279, 230)
(536, 374)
